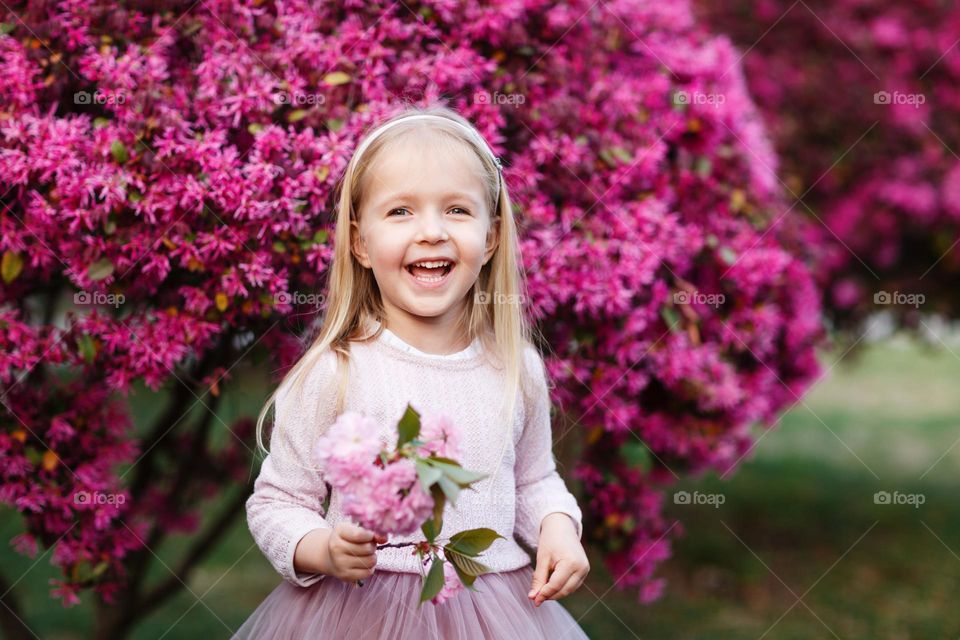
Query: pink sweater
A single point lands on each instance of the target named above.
(385, 374)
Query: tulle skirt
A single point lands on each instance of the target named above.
(386, 606)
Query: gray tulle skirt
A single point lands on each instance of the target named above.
(386, 606)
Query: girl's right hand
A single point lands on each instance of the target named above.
(352, 551)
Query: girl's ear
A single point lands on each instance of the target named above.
(358, 246)
(493, 239)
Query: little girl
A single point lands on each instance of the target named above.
(423, 306)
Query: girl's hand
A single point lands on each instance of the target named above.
(352, 552)
(559, 551)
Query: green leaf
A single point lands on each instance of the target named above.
(429, 528)
(465, 563)
(458, 474)
(428, 474)
(100, 269)
(450, 488)
(636, 454)
(671, 318)
(87, 348)
(320, 236)
(621, 154)
(409, 426)
(100, 568)
(297, 115)
(6, 27)
(439, 502)
(279, 247)
(473, 542)
(434, 581)
(119, 152)
(465, 577)
(703, 166)
(336, 78)
(10, 266)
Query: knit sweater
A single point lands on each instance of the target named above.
(384, 375)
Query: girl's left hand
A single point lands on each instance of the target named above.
(559, 551)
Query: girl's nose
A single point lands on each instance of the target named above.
(432, 227)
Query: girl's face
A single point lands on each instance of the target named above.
(424, 201)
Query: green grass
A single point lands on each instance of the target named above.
(798, 515)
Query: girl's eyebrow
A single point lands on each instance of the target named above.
(412, 197)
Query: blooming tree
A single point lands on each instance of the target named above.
(167, 173)
(863, 99)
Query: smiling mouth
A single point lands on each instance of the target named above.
(429, 275)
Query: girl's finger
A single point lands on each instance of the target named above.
(561, 573)
(362, 549)
(576, 579)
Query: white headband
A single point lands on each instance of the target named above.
(426, 116)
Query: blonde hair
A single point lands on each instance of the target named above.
(353, 297)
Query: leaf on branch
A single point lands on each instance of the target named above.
(465, 564)
(458, 474)
(428, 475)
(409, 426)
(450, 488)
(434, 581)
(473, 542)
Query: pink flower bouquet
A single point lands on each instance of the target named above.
(397, 491)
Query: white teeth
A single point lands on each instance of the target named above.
(432, 265)
(430, 279)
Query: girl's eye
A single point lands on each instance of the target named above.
(460, 209)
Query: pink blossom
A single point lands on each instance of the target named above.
(346, 452)
(451, 584)
(389, 499)
(440, 436)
